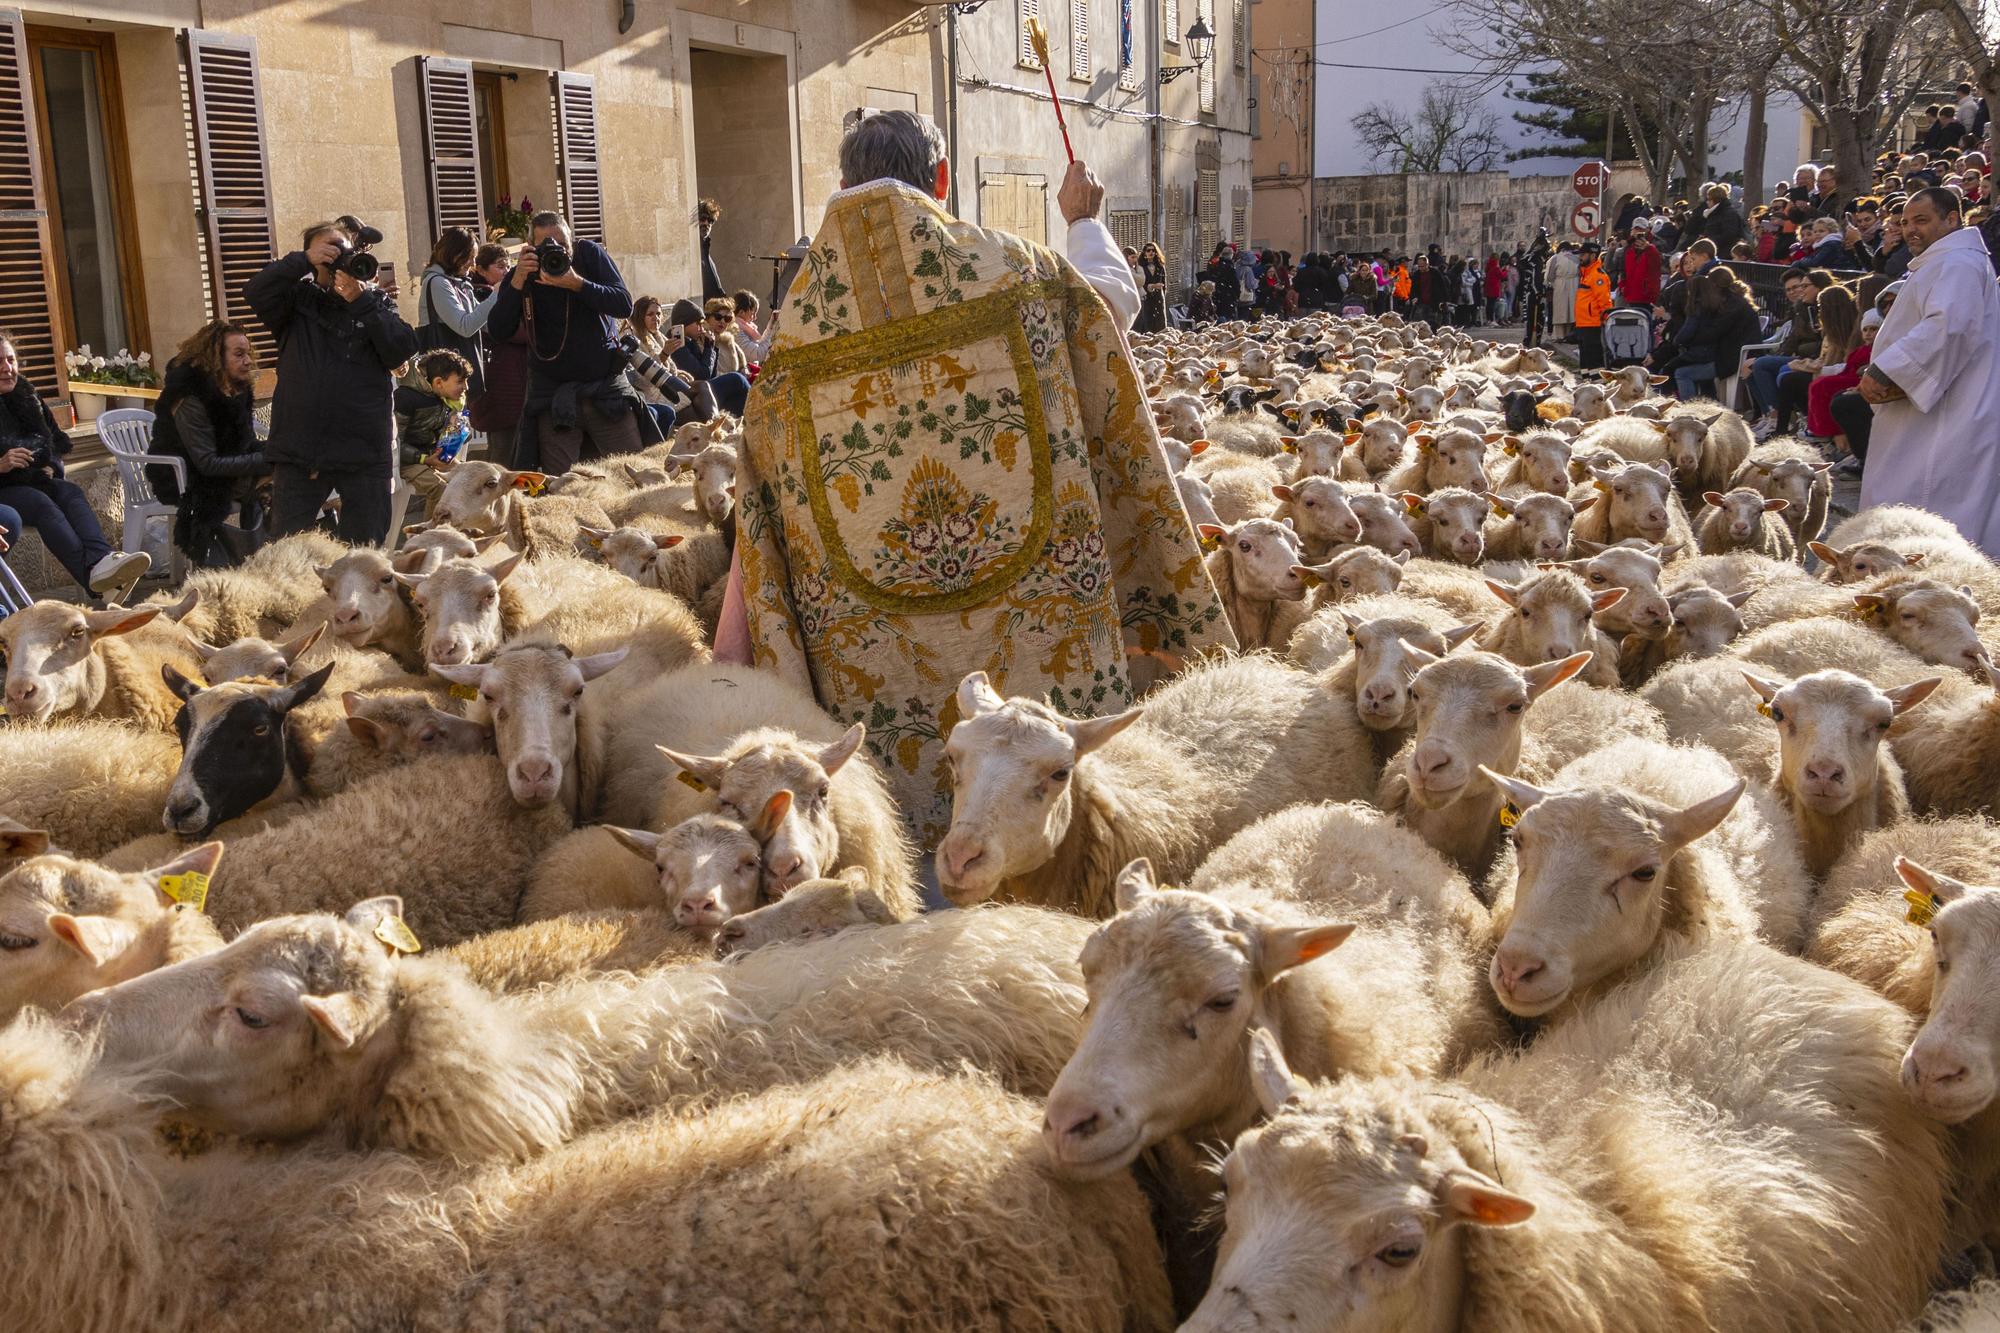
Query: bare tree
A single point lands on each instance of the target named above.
(1450, 131)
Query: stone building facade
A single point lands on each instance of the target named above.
(1464, 213)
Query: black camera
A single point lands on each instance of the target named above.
(354, 259)
(551, 257)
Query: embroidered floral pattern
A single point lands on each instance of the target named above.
(924, 464)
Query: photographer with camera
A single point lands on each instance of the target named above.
(569, 297)
(706, 214)
(339, 342)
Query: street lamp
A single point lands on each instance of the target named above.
(1200, 43)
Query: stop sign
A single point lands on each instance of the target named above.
(1588, 180)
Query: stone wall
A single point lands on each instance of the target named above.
(1464, 213)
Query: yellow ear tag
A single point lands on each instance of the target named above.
(1352, 637)
(1764, 709)
(396, 933)
(1414, 506)
(596, 543)
(1310, 579)
(1510, 815)
(1211, 543)
(1291, 446)
(465, 692)
(189, 890)
(1502, 511)
(1867, 610)
(1922, 907)
(1510, 448)
(687, 779)
(1602, 487)
(533, 485)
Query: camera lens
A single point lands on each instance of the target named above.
(363, 267)
(552, 258)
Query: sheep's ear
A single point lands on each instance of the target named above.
(183, 688)
(1090, 734)
(1774, 506)
(765, 826)
(293, 649)
(469, 674)
(287, 697)
(1679, 828)
(417, 560)
(339, 1016)
(202, 649)
(1283, 493)
(1506, 592)
(1914, 558)
(1764, 685)
(1545, 676)
(1282, 948)
(1578, 506)
(410, 581)
(640, 842)
(669, 541)
(1459, 634)
(1401, 558)
(1740, 599)
(198, 860)
(1423, 657)
(368, 731)
(1133, 884)
(1666, 552)
(1197, 447)
(20, 843)
(1943, 888)
(596, 536)
(368, 915)
(1713, 497)
(464, 728)
(188, 602)
(1868, 604)
(1585, 546)
(1826, 554)
(1270, 1075)
(1906, 697)
(1466, 1196)
(104, 624)
(481, 545)
(597, 664)
(1521, 795)
(502, 569)
(835, 755)
(977, 697)
(706, 769)
(99, 939)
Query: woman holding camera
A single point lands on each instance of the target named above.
(33, 489)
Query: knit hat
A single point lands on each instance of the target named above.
(685, 312)
(1871, 319)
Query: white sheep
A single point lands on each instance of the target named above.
(1722, 1145)
(482, 499)
(91, 785)
(1452, 457)
(1639, 502)
(1548, 617)
(1317, 509)
(1048, 809)
(1705, 623)
(1744, 520)
(1540, 464)
(69, 660)
(1358, 571)
(1861, 561)
(1254, 567)
(1365, 646)
(1532, 526)
(1634, 853)
(1790, 470)
(1384, 525)
(1450, 522)
(1706, 443)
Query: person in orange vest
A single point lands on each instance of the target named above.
(1402, 287)
(1593, 302)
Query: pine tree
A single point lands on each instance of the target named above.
(1570, 122)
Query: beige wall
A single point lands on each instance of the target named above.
(343, 130)
(1281, 154)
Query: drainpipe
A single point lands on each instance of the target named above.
(951, 103)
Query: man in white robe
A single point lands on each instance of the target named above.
(1934, 379)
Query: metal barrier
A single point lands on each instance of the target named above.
(1767, 281)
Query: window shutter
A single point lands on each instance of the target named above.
(451, 145)
(1170, 22)
(1025, 55)
(1079, 39)
(576, 153)
(27, 266)
(1206, 77)
(231, 171)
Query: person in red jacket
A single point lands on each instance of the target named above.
(1495, 279)
(1641, 285)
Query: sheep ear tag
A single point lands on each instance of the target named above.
(1922, 907)
(396, 933)
(533, 483)
(1310, 579)
(465, 692)
(1502, 511)
(189, 890)
(1211, 543)
(1413, 503)
(596, 543)
(1510, 449)
(687, 779)
(1510, 815)
(1764, 709)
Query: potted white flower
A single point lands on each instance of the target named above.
(93, 379)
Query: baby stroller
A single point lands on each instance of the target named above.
(1628, 337)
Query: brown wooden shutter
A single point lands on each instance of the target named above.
(227, 107)
(576, 147)
(27, 264)
(451, 145)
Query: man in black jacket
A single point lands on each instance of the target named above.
(579, 403)
(332, 419)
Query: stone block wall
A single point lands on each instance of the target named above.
(1464, 213)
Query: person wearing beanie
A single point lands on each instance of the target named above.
(708, 355)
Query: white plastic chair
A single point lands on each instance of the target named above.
(128, 433)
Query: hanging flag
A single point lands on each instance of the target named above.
(1124, 34)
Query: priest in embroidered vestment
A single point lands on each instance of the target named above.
(949, 465)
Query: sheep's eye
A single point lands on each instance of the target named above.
(1526, 614)
(1312, 504)
(261, 729)
(1346, 582)
(824, 791)
(1400, 1255)
(76, 632)
(1243, 547)
(490, 598)
(1777, 713)
(747, 863)
(15, 943)
(1597, 578)
(1222, 1004)
(250, 1020)
(1060, 775)
(1515, 708)
(1646, 874)
(386, 580)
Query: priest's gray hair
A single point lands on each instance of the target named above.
(892, 145)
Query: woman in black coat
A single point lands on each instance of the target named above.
(1152, 275)
(203, 417)
(1221, 271)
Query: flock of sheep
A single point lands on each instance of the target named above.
(1567, 912)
